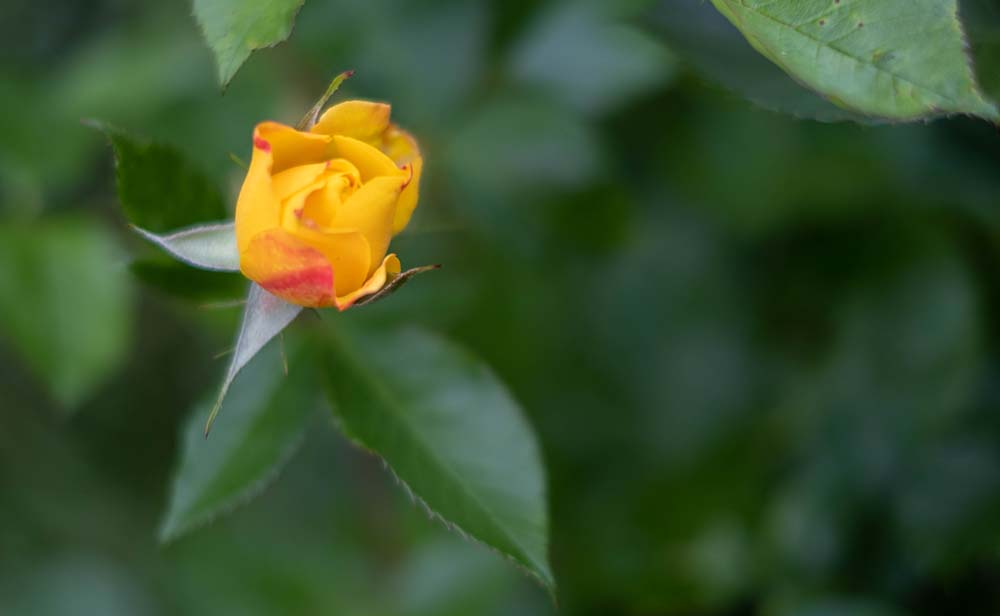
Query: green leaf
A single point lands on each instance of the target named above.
(894, 59)
(716, 50)
(236, 28)
(159, 189)
(264, 317)
(265, 419)
(209, 247)
(451, 432)
(64, 303)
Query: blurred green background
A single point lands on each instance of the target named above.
(761, 352)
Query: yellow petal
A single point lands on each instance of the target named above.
(402, 148)
(390, 267)
(293, 208)
(289, 268)
(289, 147)
(399, 145)
(362, 120)
(409, 197)
(257, 209)
(369, 160)
(290, 181)
(371, 211)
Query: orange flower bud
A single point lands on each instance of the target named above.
(318, 209)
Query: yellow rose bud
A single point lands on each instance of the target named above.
(317, 209)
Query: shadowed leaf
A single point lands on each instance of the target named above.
(159, 189)
(266, 415)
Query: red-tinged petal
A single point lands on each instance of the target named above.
(347, 251)
(289, 268)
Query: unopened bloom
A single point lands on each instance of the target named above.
(318, 209)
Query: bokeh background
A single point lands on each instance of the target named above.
(761, 352)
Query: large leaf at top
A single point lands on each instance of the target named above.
(236, 28)
(64, 303)
(159, 189)
(265, 418)
(895, 59)
(716, 50)
(450, 432)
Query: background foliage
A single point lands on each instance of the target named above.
(759, 350)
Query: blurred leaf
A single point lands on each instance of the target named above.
(159, 189)
(908, 351)
(896, 59)
(264, 316)
(579, 54)
(75, 583)
(180, 280)
(511, 156)
(511, 144)
(717, 50)
(64, 304)
(381, 42)
(449, 577)
(450, 431)
(209, 247)
(265, 419)
(236, 28)
(832, 606)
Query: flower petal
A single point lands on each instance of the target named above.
(390, 267)
(289, 268)
(408, 198)
(346, 250)
(369, 160)
(402, 148)
(288, 182)
(257, 209)
(362, 120)
(371, 211)
(400, 145)
(290, 147)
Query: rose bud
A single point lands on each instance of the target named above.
(318, 209)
